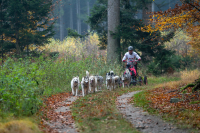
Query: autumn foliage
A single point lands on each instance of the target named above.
(48, 110)
(185, 16)
(186, 110)
(183, 110)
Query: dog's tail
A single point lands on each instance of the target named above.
(87, 73)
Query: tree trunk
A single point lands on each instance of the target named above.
(2, 47)
(88, 12)
(113, 23)
(78, 16)
(61, 22)
(2, 35)
(71, 16)
(17, 37)
(17, 43)
(145, 16)
(79, 12)
(195, 85)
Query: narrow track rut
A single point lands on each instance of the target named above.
(64, 122)
(142, 120)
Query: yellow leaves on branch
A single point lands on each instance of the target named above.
(194, 33)
(163, 23)
(186, 16)
(180, 17)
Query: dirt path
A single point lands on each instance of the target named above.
(142, 120)
(64, 122)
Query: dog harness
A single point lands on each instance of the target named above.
(131, 58)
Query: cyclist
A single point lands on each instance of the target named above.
(130, 57)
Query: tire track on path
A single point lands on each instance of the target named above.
(142, 120)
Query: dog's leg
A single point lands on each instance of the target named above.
(93, 89)
(76, 91)
(83, 93)
(107, 85)
(72, 91)
(96, 88)
(87, 91)
(90, 87)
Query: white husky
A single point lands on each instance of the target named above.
(126, 78)
(75, 85)
(99, 82)
(115, 82)
(108, 81)
(85, 84)
(92, 83)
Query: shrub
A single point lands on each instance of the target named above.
(24, 83)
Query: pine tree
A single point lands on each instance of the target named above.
(29, 22)
(4, 26)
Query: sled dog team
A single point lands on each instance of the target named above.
(94, 82)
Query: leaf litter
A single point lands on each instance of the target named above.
(56, 114)
(185, 111)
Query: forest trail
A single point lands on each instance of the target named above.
(142, 120)
(64, 123)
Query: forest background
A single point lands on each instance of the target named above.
(45, 43)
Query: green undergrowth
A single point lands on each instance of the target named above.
(24, 83)
(141, 101)
(98, 113)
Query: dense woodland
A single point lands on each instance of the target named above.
(44, 43)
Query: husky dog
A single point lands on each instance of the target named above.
(99, 82)
(75, 85)
(120, 81)
(108, 81)
(112, 73)
(85, 84)
(115, 82)
(126, 77)
(92, 83)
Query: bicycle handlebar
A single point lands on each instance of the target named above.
(131, 61)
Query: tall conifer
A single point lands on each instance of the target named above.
(29, 22)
